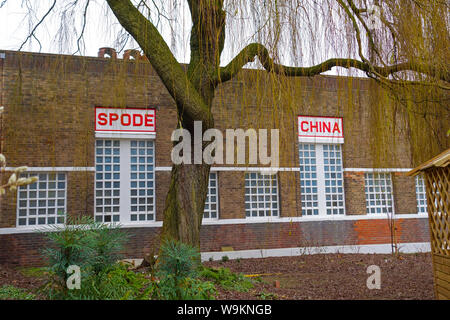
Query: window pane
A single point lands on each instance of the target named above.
(28, 206)
(261, 202)
(211, 203)
(382, 195)
(107, 184)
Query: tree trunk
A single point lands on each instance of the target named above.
(185, 203)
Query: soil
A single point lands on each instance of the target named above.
(334, 277)
(319, 277)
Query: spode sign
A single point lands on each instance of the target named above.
(320, 129)
(125, 120)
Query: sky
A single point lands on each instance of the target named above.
(15, 21)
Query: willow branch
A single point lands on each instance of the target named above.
(37, 25)
(249, 53)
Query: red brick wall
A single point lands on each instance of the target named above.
(49, 121)
(24, 249)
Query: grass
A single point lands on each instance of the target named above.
(9, 292)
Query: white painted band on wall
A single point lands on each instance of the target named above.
(243, 169)
(122, 135)
(377, 169)
(292, 169)
(53, 169)
(212, 222)
(299, 251)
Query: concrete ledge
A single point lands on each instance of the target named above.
(290, 252)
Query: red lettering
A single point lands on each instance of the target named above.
(302, 123)
(326, 127)
(336, 128)
(102, 119)
(315, 126)
(113, 117)
(137, 116)
(122, 119)
(148, 120)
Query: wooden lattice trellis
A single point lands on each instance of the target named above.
(437, 181)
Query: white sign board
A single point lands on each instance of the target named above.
(320, 129)
(125, 121)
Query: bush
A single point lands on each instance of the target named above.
(177, 269)
(8, 292)
(92, 246)
(115, 283)
(226, 279)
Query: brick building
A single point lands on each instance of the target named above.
(332, 194)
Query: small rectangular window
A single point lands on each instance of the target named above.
(212, 199)
(261, 195)
(378, 190)
(43, 202)
(421, 196)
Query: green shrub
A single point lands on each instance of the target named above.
(226, 279)
(92, 246)
(115, 283)
(177, 270)
(8, 292)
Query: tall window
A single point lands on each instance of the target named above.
(124, 180)
(261, 195)
(378, 189)
(43, 202)
(321, 179)
(421, 196)
(212, 199)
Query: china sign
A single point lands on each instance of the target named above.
(320, 129)
(122, 120)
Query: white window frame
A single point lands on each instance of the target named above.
(378, 176)
(213, 176)
(249, 197)
(125, 179)
(421, 191)
(29, 188)
(317, 165)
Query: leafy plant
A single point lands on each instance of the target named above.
(227, 279)
(8, 292)
(92, 246)
(267, 296)
(115, 283)
(170, 288)
(177, 269)
(225, 258)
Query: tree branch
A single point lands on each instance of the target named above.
(249, 53)
(188, 100)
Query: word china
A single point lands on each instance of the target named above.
(320, 129)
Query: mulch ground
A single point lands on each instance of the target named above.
(321, 276)
(335, 276)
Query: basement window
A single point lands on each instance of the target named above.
(43, 202)
(261, 195)
(124, 180)
(212, 200)
(378, 189)
(321, 179)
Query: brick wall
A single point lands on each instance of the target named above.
(49, 121)
(25, 249)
